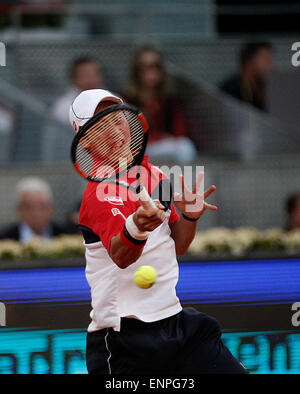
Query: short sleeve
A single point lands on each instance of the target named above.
(106, 216)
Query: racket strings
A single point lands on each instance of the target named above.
(96, 130)
(111, 144)
(115, 159)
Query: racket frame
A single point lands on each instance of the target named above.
(91, 122)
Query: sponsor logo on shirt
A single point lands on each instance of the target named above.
(116, 211)
(114, 200)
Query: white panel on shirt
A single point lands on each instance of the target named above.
(114, 293)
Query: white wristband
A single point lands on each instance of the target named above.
(133, 229)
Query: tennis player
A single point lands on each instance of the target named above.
(134, 330)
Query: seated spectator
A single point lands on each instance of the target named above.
(293, 212)
(85, 73)
(149, 91)
(249, 83)
(34, 206)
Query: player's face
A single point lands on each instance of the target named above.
(115, 138)
(114, 144)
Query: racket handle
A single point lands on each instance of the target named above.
(144, 196)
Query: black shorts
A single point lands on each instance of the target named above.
(186, 343)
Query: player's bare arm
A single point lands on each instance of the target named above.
(146, 218)
(184, 230)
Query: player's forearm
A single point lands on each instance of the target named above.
(122, 254)
(183, 233)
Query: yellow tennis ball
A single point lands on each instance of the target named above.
(145, 276)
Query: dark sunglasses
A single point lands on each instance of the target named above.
(156, 65)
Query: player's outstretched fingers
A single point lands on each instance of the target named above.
(210, 190)
(210, 207)
(198, 182)
(185, 191)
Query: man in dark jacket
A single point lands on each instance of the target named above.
(34, 205)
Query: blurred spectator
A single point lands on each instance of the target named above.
(85, 73)
(34, 206)
(293, 212)
(249, 84)
(149, 90)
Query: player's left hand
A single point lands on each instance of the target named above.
(191, 203)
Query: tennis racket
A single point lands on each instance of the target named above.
(110, 144)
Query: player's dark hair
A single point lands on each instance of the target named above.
(250, 49)
(79, 62)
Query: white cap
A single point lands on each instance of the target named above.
(83, 107)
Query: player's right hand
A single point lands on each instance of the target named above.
(147, 218)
